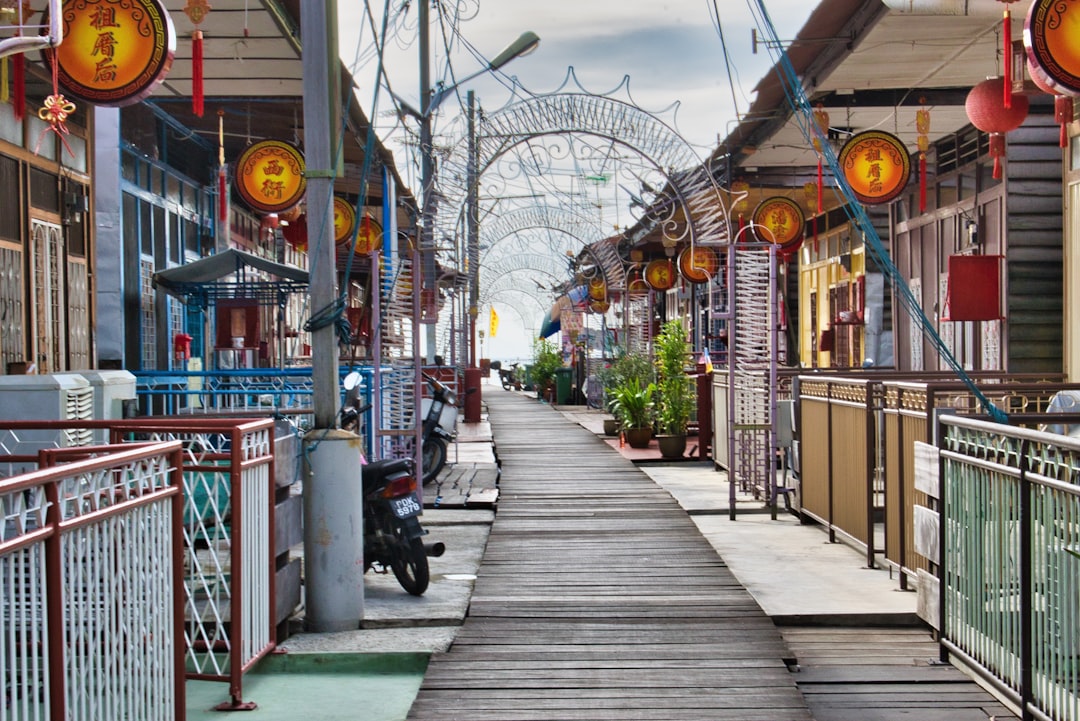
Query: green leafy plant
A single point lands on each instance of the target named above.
(546, 360)
(632, 404)
(626, 367)
(676, 389)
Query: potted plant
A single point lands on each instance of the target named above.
(546, 360)
(675, 388)
(632, 404)
(627, 367)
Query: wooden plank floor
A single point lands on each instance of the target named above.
(598, 598)
(884, 674)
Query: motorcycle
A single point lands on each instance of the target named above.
(393, 536)
(439, 426)
(392, 531)
(508, 377)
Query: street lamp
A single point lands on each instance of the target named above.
(526, 43)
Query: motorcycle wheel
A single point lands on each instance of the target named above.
(434, 458)
(409, 562)
(505, 384)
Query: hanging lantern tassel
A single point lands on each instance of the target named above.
(922, 127)
(997, 152)
(197, 72)
(1063, 115)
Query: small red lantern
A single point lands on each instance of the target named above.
(987, 112)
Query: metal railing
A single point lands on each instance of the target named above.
(856, 439)
(90, 559)
(225, 530)
(1010, 561)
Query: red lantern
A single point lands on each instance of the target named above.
(296, 233)
(988, 113)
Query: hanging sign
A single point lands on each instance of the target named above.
(660, 274)
(876, 166)
(698, 264)
(344, 218)
(635, 282)
(270, 176)
(1051, 34)
(780, 221)
(368, 236)
(115, 52)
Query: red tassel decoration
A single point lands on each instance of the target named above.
(223, 195)
(1063, 115)
(197, 73)
(922, 182)
(18, 81)
(820, 187)
(1006, 34)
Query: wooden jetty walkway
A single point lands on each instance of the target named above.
(598, 598)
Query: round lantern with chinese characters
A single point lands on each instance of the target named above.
(987, 112)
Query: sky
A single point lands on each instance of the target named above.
(669, 53)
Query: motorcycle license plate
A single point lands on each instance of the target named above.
(406, 506)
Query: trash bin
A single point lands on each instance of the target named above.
(563, 381)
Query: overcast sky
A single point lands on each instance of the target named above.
(671, 51)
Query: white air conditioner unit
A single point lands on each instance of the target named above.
(111, 388)
(44, 398)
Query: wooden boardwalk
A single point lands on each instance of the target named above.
(598, 598)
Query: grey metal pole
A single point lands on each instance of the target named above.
(318, 157)
(473, 214)
(427, 179)
(333, 527)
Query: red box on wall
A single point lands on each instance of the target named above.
(974, 288)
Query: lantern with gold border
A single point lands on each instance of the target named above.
(780, 221)
(270, 176)
(876, 165)
(117, 65)
(698, 264)
(660, 274)
(368, 236)
(344, 220)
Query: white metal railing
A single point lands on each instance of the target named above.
(1010, 561)
(89, 558)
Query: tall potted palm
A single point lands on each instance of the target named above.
(675, 388)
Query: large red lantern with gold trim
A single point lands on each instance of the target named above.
(987, 112)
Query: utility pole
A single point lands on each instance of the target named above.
(333, 526)
(427, 180)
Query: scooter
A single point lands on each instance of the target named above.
(439, 426)
(508, 377)
(392, 531)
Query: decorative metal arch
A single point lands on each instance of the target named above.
(568, 223)
(691, 193)
(534, 262)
